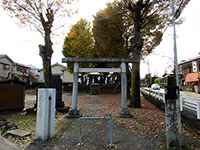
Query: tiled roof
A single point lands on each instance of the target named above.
(56, 64)
(18, 64)
(6, 56)
(189, 60)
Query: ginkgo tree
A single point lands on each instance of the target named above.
(79, 42)
(149, 20)
(108, 31)
(44, 16)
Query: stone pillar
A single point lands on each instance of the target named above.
(45, 123)
(124, 112)
(74, 110)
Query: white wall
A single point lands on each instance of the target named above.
(4, 72)
(66, 76)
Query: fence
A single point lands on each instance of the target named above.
(186, 102)
(108, 121)
(89, 132)
(158, 94)
(12, 95)
(191, 103)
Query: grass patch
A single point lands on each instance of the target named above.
(28, 123)
(23, 122)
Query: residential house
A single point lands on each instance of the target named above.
(190, 71)
(5, 67)
(34, 74)
(58, 69)
(12, 70)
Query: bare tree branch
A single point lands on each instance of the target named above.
(39, 14)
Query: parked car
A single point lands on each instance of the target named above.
(155, 87)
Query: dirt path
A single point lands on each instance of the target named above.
(145, 131)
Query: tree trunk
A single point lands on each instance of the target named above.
(47, 71)
(135, 85)
(136, 49)
(46, 51)
(46, 54)
(47, 63)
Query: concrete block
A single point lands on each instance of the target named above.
(19, 133)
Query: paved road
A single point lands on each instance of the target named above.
(190, 115)
(192, 94)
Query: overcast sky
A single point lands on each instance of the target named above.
(187, 42)
(21, 43)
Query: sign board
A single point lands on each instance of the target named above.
(194, 66)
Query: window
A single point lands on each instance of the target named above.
(6, 67)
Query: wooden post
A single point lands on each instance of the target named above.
(172, 115)
(124, 102)
(74, 111)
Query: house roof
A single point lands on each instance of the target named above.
(189, 60)
(6, 56)
(56, 64)
(21, 65)
(4, 63)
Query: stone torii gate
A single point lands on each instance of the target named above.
(124, 112)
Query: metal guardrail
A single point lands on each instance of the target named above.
(191, 103)
(159, 95)
(188, 102)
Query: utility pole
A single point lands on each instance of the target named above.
(172, 100)
(176, 69)
(174, 43)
